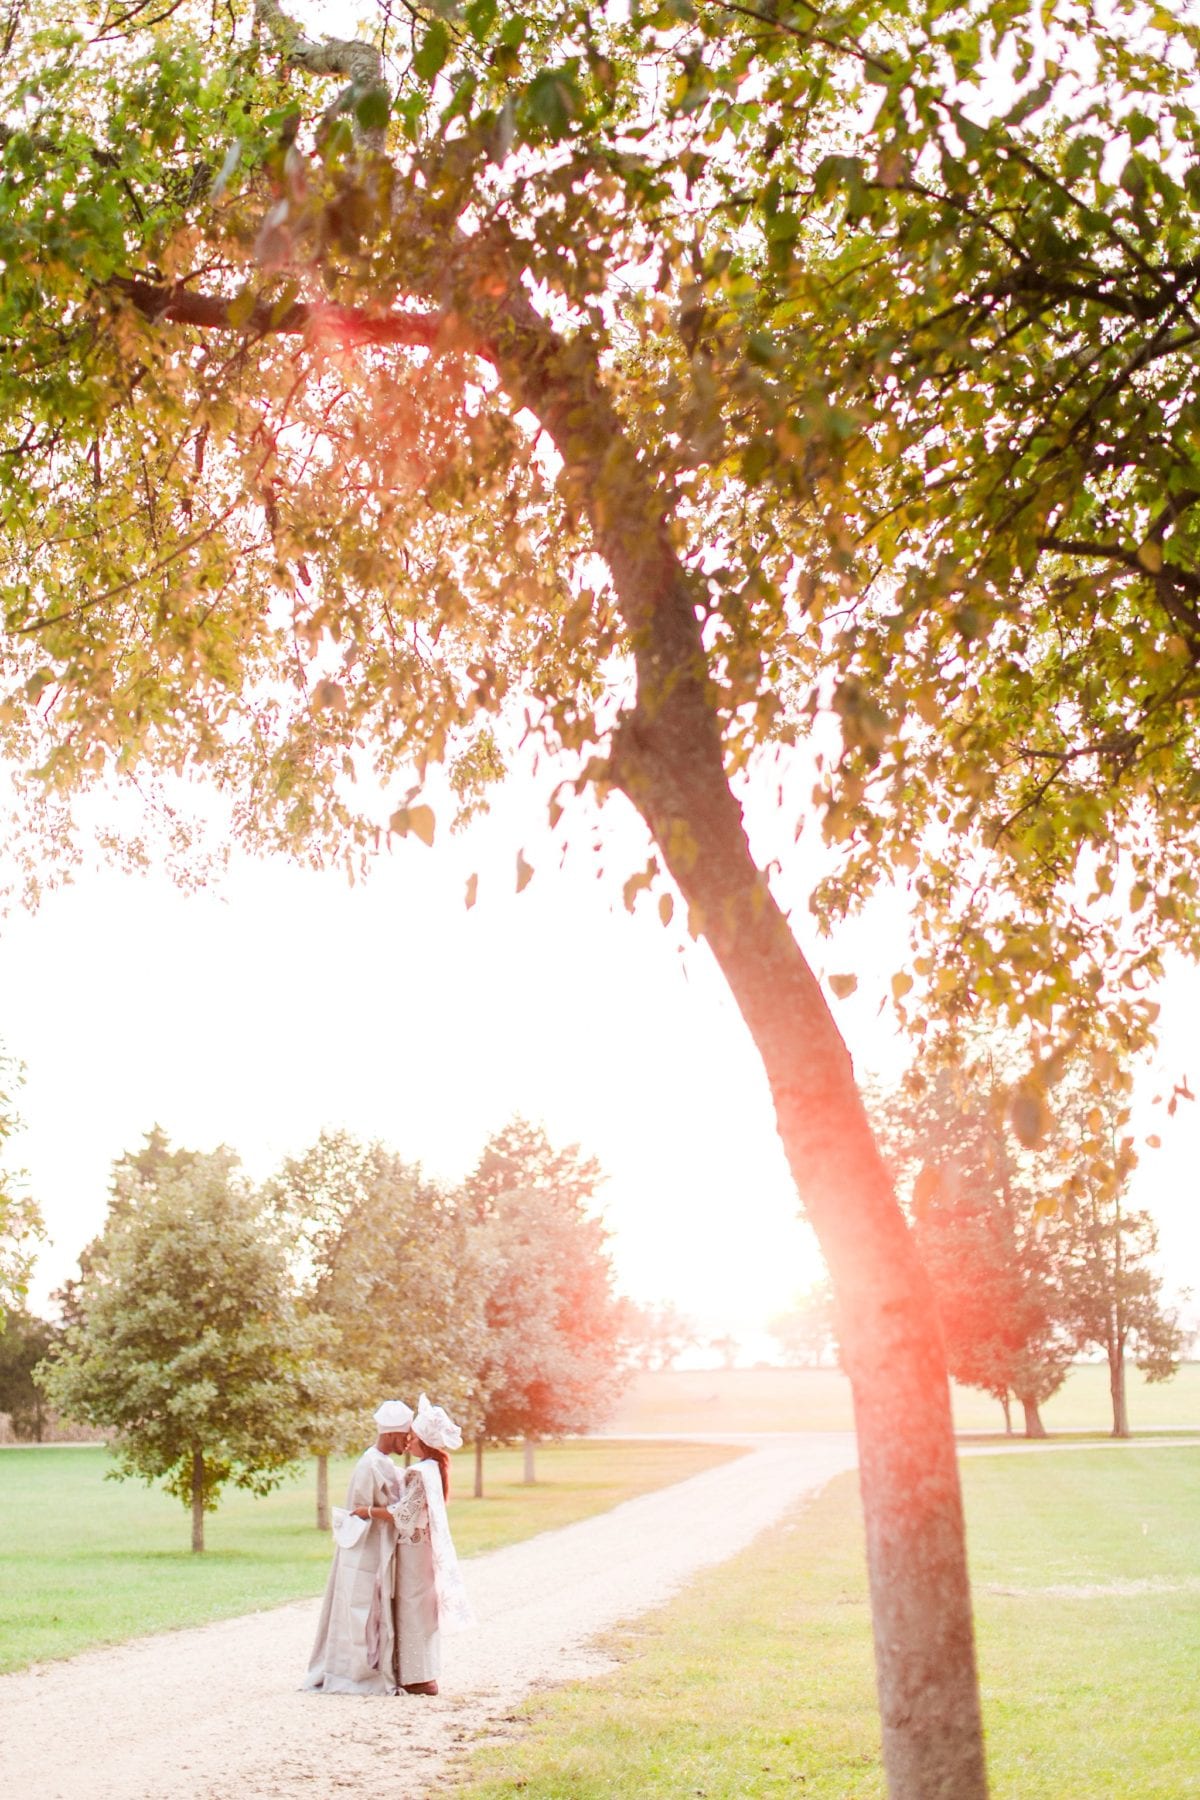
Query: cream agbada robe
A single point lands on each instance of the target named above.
(355, 1650)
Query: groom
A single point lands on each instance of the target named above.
(355, 1651)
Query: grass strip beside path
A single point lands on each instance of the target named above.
(758, 1681)
(85, 1561)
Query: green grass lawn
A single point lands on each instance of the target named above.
(87, 1561)
(819, 1400)
(758, 1681)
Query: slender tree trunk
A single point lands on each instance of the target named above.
(323, 1519)
(668, 757)
(479, 1468)
(197, 1500)
(529, 1478)
(1116, 1388)
(1033, 1418)
(1006, 1403)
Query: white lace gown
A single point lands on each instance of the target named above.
(431, 1595)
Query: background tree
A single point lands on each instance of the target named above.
(984, 1214)
(388, 1274)
(896, 436)
(658, 1335)
(21, 1227)
(805, 1333)
(727, 1348)
(1113, 1286)
(24, 1343)
(190, 1344)
(551, 1355)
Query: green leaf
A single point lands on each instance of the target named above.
(374, 108)
(554, 101)
(431, 53)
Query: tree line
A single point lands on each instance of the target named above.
(223, 1330)
(1035, 1253)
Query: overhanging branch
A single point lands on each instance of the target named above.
(177, 305)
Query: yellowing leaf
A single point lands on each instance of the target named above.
(901, 984)
(329, 696)
(417, 819)
(524, 872)
(1150, 556)
(1154, 1141)
(843, 985)
(422, 823)
(472, 890)
(666, 908)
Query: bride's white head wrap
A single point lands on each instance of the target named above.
(434, 1426)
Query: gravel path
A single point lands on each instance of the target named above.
(214, 1713)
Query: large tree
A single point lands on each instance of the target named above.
(188, 1344)
(659, 383)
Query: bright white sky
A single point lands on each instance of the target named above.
(280, 1001)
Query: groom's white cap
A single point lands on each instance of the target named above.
(393, 1415)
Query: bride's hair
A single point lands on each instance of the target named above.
(443, 1462)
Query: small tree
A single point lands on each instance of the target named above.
(189, 1343)
(658, 1335)
(984, 1217)
(1114, 1291)
(386, 1270)
(555, 1332)
(21, 1227)
(806, 1333)
(24, 1343)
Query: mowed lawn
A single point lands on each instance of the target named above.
(86, 1561)
(819, 1400)
(758, 1681)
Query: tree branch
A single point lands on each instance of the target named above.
(352, 57)
(178, 305)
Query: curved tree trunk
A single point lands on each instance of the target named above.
(197, 1500)
(528, 1477)
(478, 1468)
(1033, 1418)
(668, 758)
(323, 1518)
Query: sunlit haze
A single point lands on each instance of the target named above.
(279, 1001)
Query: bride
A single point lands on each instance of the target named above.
(432, 1598)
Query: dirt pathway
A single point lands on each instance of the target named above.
(214, 1713)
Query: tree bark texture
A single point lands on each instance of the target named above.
(1033, 1418)
(478, 1468)
(197, 1500)
(667, 757)
(528, 1477)
(1116, 1388)
(323, 1518)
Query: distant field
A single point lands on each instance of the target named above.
(757, 1682)
(86, 1561)
(819, 1400)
